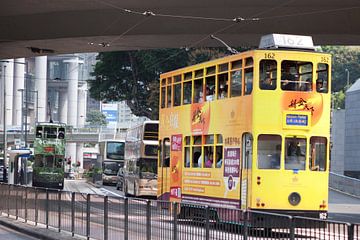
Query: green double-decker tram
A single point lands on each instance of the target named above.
(49, 153)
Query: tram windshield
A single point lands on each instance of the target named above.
(295, 152)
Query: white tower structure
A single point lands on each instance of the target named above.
(41, 87)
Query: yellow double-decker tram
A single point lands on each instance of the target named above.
(249, 131)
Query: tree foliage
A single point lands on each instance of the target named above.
(133, 76)
(96, 118)
(345, 63)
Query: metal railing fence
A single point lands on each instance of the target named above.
(107, 218)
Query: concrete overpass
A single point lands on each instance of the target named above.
(46, 27)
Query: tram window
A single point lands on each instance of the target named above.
(187, 92)
(219, 156)
(188, 76)
(236, 64)
(223, 86)
(210, 88)
(209, 157)
(223, 67)
(209, 139)
(295, 152)
(248, 80)
(318, 146)
(177, 78)
(168, 96)
(177, 95)
(268, 74)
(187, 157)
(39, 131)
(199, 73)
(197, 140)
(166, 152)
(236, 83)
(198, 91)
(210, 70)
(219, 138)
(197, 157)
(49, 161)
(50, 132)
(269, 151)
(322, 80)
(296, 76)
(61, 134)
(163, 91)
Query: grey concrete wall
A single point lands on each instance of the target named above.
(345, 184)
(352, 131)
(338, 141)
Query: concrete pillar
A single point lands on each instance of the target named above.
(82, 106)
(63, 106)
(7, 68)
(19, 83)
(79, 155)
(73, 80)
(71, 152)
(41, 87)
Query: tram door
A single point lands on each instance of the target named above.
(247, 143)
(164, 173)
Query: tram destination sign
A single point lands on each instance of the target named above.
(296, 120)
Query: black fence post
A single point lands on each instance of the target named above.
(88, 216)
(174, 212)
(292, 228)
(126, 218)
(148, 219)
(36, 207)
(207, 222)
(106, 213)
(16, 204)
(59, 210)
(245, 216)
(26, 198)
(350, 229)
(8, 201)
(72, 213)
(47, 208)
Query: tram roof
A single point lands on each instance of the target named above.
(236, 57)
(50, 124)
(47, 27)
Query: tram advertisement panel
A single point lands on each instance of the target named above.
(231, 169)
(175, 167)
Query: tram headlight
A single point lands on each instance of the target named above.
(294, 198)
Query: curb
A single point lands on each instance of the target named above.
(39, 233)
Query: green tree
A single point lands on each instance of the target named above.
(343, 58)
(338, 99)
(96, 118)
(133, 76)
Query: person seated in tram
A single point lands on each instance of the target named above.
(219, 160)
(209, 94)
(320, 86)
(288, 79)
(222, 92)
(267, 84)
(209, 161)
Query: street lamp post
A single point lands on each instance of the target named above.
(347, 77)
(22, 111)
(4, 133)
